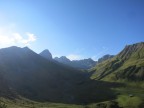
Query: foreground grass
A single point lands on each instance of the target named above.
(123, 101)
(131, 96)
(25, 103)
(130, 102)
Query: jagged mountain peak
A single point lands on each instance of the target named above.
(78, 64)
(46, 54)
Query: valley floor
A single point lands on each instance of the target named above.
(130, 96)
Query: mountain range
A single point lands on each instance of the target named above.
(27, 74)
(78, 64)
(39, 77)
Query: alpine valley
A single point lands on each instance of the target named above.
(31, 80)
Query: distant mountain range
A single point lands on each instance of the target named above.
(128, 65)
(78, 64)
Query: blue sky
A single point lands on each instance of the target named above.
(74, 28)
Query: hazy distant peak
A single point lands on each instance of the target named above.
(90, 59)
(64, 57)
(46, 54)
(79, 64)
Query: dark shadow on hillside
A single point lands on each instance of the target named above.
(96, 91)
(84, 92)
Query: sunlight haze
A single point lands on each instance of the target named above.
(74, 28)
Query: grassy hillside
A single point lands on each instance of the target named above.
(126, 68)
(128, 64)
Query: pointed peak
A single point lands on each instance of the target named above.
(46, 54)
(46, 51)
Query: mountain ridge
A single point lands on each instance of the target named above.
(128, 64)
(78, 64)
(27, 74)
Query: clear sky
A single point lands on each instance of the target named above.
(73, 28)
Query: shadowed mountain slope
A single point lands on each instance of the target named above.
(35, 77)
(25, 73)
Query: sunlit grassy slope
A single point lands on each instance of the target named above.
(126, 68)
(128, 65)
